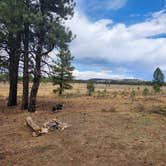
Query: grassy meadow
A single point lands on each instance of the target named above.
(112, 127)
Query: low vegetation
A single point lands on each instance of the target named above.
(100, 128)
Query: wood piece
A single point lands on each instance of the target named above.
(33, 126)
(51, 125)
(55, 124)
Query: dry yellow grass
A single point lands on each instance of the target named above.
(111, 130)
(46, 89)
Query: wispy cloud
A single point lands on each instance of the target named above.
(102, 4)
(99, 74)
(115, 4)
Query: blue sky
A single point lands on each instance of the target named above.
(119, 38)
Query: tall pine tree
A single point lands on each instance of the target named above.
(49, 31)
(62, 71)
(158, 80)
(11, 21)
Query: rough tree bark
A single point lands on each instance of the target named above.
(35, 86)
(14, 57)
(38, 61)
(26, 68)
(61, 89)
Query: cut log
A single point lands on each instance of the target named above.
(33, 126)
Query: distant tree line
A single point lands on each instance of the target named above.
(116, 82)
(29, 31)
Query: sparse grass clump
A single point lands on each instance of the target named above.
(138, 88)
(114, 94)
(102, 93)
(156, 88)
(140, 108)
(145, 92)
(124, 93)
(111, 109)
(133, 94)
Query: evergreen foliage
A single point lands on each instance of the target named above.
(158, 80)
(29, 31)
(90, 87)
(62, 71)
(145, 92)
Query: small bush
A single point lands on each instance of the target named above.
(133, 94)
(156, 88)
(145, 92)
(55, 91)
(90, 88)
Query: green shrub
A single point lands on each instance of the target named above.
(145, 92)
(90, 88)
(157, 88)
(133, 94)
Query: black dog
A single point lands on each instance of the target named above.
(57, 107)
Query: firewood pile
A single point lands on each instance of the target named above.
(50, 125)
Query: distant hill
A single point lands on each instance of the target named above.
(118, 81)
(107, 81)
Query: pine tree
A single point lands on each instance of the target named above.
(29, 31)
(158, 76)
(11, 21)
(49, 31)
(62, 71)
(90, 87)
(28, 20)
(158, 80)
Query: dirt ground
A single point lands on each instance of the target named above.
(111, 130)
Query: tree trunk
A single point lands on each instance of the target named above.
(35, 86)
(14, 57)
(60, 89)
(38, 60)
(26, 69)
(13, 80)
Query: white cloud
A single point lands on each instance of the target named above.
(102, 74)
(117, 43)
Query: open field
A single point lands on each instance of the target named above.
(106, 130)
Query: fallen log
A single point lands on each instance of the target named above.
(36, 129)
(51, 125)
